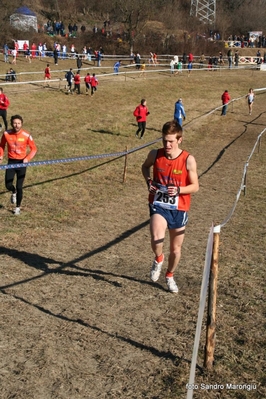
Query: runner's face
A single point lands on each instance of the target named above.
(17, 125)
(170, 143)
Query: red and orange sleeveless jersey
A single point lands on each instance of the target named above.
(167, 172)
(17, 144)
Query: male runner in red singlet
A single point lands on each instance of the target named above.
(174, 180)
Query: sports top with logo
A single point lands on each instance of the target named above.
(170, 172)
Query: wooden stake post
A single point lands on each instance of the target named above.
(125, 166)
(211, 317)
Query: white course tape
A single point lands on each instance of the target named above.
(203, 295)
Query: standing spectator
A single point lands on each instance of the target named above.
(77, 82)
(225, 100)
(116, 67)
(142, 70)
(14, 53)
(18, 141)
(250, 96)
(221, 59)
(44, 49)
(58, 47)
(64, 49)
(75, 29)
(179, 67)
(201, 60)
(179, 113)
(47, 75)
(16, 45)
(28, 55)
(69, 77)
(184, 59)
(210, 63)
(55, 53)
(137, 60)
(230, 58)
(33, 50)
(4, 104)
(94, 84)
(99, 57)
(70, 29)
(40, 51)
(79, 62)
(6, 52)
(87, 81)
(236, 58)
(73, 51)
(189, 67)
(141, 112)
(89, 53)
(190, 57)
(151, 60)
(25, 47)
(174, 179)
(84, 52)
(215, 63)
(172, 66)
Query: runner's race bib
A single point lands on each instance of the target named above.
(163, 200)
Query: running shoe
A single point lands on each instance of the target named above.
(171, 284)
(16, 211)
(13, 198)
(156, 270)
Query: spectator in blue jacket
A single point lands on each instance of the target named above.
(179, 113)
(116, 67)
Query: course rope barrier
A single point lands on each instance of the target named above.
(210, 273)
(82, 158)
(243, 185)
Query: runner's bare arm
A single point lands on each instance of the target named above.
(147, 164)
(193, 187)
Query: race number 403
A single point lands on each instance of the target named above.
(192, 386)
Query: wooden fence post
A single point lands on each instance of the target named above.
(211, 317)
(125, 166)
(245, 182)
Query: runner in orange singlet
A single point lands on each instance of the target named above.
(18, 141)
(174, 180)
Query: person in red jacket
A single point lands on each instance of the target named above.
(4, 104)
(47, 74)
(94, 83)
(87, 80)
(141, 112)
(225, 100)
(18, 141)
(77, 82)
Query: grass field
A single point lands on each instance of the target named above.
(80, 318)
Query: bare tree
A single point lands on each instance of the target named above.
(133, 14)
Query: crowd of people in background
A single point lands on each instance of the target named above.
(59, 28)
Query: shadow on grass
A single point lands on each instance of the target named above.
(219, 156)
(154, 351)
(42, 263)
(104, 132)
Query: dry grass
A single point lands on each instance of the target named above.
(80, 317)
